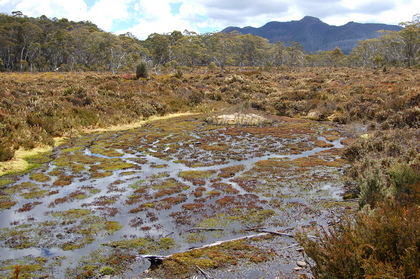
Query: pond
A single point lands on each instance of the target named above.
(105, 199)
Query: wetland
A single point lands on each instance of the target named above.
(168, 187)
(237, 189)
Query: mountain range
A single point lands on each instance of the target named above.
(315, 35)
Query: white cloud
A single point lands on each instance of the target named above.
(104, 12)
(143, 17)
(377, 11)
(155, 16)
(75, 9)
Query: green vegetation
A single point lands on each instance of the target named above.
(77, 102)
(193, 175)
(378, 107)
(112, 226)
(225, 255)
(101, 262)
(43, 45)
(379, 244)
(6, 152)
(381, 106)
(40, 177)
(28, 266)
(383, 240)
(141, 70)
(144, 245)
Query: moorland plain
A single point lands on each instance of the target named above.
(361, 125)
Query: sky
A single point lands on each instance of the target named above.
(144, 17)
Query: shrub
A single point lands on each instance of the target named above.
(141, 70)
(6, 151)
(212, 66)
(106, 270)
(195, 97)
(268, 66)
(385, 165)
(373, 188)
(2, 68)
(86, 117)
(179, 74)
(383, 243)
(405, 181)
(43, 121)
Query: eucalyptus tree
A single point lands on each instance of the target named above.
(221, 48)
(190, 50)
(410, 36)
(252, 50)
(391, 50)
(34, 56)
(8, 41)
(314, 60)
(279, 52)
(28, 34)
(364, 53)
(78, 51)
(159, 48)
(294, 55)
(45, 44)
(17, 34)
(132, 52)
(57, 49)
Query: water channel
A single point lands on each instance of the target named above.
(174, 184)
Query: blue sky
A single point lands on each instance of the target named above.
(144, 17)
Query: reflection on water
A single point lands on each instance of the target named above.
(164, 180)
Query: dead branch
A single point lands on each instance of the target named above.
(204, 273)
(290, 246)
(156, 260)
(262, 230)
(205, 229)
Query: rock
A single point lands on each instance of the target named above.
(238, 119)
(301, 264)
(314, 115)
(297, 268)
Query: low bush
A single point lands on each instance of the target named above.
(34, 108)
(385, 165)
(6, 151)
(141, 70)
(383, 240)
(179, 74)
(383, 243)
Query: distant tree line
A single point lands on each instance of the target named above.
(44, 44)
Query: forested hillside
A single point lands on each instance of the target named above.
(43, 44)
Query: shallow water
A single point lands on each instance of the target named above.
(170, 179)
